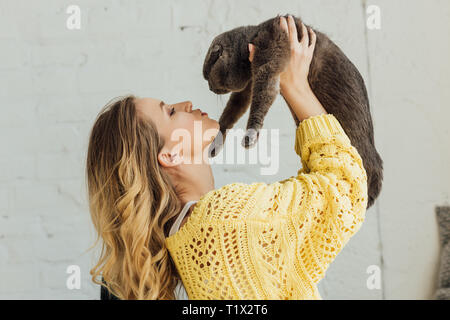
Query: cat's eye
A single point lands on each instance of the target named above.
(172, 111)
(215, 53)
(216, 48)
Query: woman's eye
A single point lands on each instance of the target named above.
(172, 111)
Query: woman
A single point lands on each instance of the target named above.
(153, 202)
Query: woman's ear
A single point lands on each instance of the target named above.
(169, 159)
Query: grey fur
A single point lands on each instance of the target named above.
(332, 76)
(443, 219)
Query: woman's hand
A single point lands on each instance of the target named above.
(294, 85)
(295, 76)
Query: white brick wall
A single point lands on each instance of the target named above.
(53, 82)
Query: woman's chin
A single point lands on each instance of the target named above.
(213, 126)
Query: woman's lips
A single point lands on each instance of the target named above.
(202, 113)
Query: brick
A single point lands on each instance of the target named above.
(52, 166)
(18, 278)
(15, 166)
(42, 197)
(14, 54)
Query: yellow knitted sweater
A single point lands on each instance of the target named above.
(275, 241)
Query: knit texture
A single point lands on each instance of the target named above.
(275, 241)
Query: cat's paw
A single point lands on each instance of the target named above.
(250, 138)
(214, 149)
(216, 146)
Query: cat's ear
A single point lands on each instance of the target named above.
(251, 50)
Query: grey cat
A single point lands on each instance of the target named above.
(332, 76)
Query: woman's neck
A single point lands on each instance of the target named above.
(192, 181)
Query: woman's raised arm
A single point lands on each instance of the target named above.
(294, 85)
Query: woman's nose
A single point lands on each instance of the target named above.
(185, 106)
(189, 106)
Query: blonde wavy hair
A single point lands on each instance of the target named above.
(132, 203)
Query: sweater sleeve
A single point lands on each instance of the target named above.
(274, 241)
(328, 196)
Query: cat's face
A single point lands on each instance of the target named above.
(226, 66)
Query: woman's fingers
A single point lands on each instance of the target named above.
(305, 39)
(251, 50)
(283, 24)
(313, 40)
(293, 37)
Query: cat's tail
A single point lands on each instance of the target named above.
(374, 179)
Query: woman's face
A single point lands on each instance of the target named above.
(186, 132)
